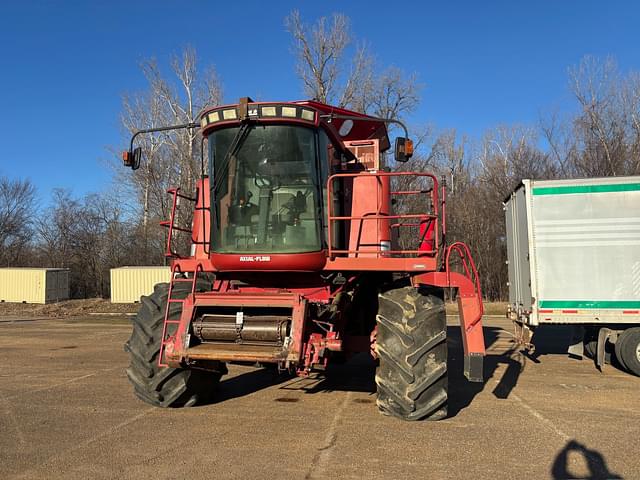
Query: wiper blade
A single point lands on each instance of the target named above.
(236, 143)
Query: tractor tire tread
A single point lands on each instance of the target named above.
(411, 344)
(164, 386)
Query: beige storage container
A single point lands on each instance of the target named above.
(128, 284)
(34, 285)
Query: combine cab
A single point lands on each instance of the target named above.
(305, 249)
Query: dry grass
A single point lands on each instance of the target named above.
(490, 308)
(67, 308)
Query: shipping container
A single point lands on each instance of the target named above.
(128, 284)
(573, 249)
(34, 285)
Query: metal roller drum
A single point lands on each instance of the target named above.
(255, 330)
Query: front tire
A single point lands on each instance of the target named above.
(164, 386)
(412, 346)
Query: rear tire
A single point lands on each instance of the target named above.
(165, 386)
(630, 349)
(412, 346)
(618, 349)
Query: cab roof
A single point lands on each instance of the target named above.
(370, 127)
(331, 118)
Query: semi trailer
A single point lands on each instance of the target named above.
(573, 254)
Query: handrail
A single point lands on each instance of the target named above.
(170, 224)
(469, 267)
(165, 339)
(432, 192)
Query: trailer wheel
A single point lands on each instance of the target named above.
(630, 349)
(165, 386)
(618, 351)
(412, 347)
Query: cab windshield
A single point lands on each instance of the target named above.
(266, 193)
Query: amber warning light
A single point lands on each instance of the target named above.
(404, 149)
(408, 148)
(132, 158)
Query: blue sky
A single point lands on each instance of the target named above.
(65, 64)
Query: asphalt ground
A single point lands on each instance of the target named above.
(67, 411)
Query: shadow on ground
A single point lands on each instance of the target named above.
(358, 375)
(248, 383)
(594, 460)
(555, 340)
(547, 341)
(355, 375)
(551, 340)
(461, 391)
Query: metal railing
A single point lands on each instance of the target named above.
(170, 224)
(397, 221)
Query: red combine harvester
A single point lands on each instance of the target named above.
(296, 261)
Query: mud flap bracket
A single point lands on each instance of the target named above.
(473, 367)
(604, 335)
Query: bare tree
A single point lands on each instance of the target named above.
(17, 210)
(171, 158)
(630, 103)
(603, 137)
(329, 76)
(359, 81)
(510, 153)
(320, 49)
(89, 236)
(597, 127)
(392, 94)
(55, 228)
(451, 159)
(557, 133)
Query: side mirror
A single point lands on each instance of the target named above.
(404, 149)
(132, 159)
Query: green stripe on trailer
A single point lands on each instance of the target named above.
(589, 304)
(621, 187)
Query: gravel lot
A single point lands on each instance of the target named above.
(67, 411)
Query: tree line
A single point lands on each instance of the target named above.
(600, 136)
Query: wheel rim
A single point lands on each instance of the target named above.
(638, 352)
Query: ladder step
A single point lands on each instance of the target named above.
(174, 227)
(177, 280)
(171, 321)
(176, 300)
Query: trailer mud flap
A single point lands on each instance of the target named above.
(576, 342)
(604, 335)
